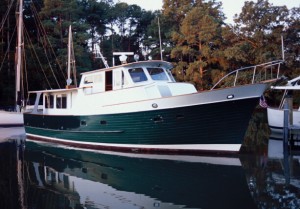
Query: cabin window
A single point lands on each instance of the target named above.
(124, 80)
(49, 101)
(61, 101)
(137, 75)
(157, 74)
(88, 79)
(31, 99)
(170, 75)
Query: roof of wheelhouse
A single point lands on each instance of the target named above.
(149, 63)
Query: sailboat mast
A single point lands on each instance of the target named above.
(19, 55)
(69, 80)
(69, 54)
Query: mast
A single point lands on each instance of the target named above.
(71, 60)
(19, 56)
(69, 80)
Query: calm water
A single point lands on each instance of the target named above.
(41, 176)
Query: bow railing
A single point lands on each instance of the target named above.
(250, 75)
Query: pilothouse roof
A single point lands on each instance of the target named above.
(149, 63)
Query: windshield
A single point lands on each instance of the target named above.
(158, 74)
(137, 75)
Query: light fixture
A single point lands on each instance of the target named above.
(136, 57)
(123, 59)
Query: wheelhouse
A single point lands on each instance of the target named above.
(126, 76)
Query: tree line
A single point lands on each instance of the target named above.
(194, 36)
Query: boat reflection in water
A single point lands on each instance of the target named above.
(274, 178)
(12, 189)
(70, 178)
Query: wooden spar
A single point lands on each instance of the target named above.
(69, 81)
(19, 56)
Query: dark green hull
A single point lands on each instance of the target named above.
(218, 123)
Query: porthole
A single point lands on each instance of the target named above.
(83, 123)
(158, 119)
(179, 116)
(103, 122)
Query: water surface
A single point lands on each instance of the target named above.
(40, 175)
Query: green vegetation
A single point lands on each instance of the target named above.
(194, 37)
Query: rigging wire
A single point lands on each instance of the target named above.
(46, 39)
(29, 40)
(46, 45)
(6, 15)
(7, 51)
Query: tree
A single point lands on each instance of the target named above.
(292, 39)
(258, 28)
(198, 39)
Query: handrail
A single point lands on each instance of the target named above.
(254, 68)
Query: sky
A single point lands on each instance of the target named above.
(230, 7)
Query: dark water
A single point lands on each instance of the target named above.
(42, 176)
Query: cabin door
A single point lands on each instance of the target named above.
(108, 81)
(117, 79)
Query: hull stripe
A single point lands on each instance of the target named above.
(70, 131)
(143, 147)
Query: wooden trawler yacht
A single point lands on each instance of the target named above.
(139, 107)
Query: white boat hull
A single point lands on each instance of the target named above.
(10, 119)
(276, 118)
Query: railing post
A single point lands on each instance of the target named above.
(236, 75)
(278, 69)
(253, 77)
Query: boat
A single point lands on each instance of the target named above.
(276, 114)
(15, 118)
(11, 119)
(139, 107)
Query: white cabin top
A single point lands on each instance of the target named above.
(121, 76)
(127, 75)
